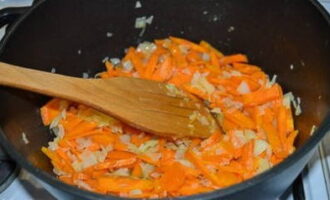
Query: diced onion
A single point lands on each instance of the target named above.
(146, 47)
(272, 82)
(243, 88)
(200, 82)
(82, 184)
(249, 134)
(287, 99)
(83, 143)
(140, 22)
(263, 165)
(312, 130)
(121, 172)
(149, 146)
(206, 57)
(135, 192)
(239, 139)
(259, 147)
(105, 59)
(216, 111)
(85, 75)
(114, 61)
(149, 19)
(125, 138)
(146, 169)
(24, 138)
(127, 66)
(138, 4)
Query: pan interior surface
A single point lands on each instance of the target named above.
(73, 40)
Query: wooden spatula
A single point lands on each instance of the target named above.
(151, 106)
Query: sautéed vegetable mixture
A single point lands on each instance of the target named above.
(99, 153)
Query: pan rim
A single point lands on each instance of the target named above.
(54, 182)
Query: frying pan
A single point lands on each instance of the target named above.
(274, 34)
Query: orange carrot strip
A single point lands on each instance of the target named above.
(137, 170)
(187, 43)
(152, 63)
(121, 184)
(211, 48)
(51, 110)
(262, 96)
(289, 120)
(240, 119)
(118, 155)
(165, 70)
(173, 177)
(81, 129)
(147, 159)
(290, 141)
(281, 126)
(84, 134)
(214, 60)
(66, 179)
(237, 58)
(195, 91)
(228, 178)
(272, 136)
(214, 138)
(120, 146)
(116, 163)
(200, 165)
(103, 139)
(246, 68)
(179, 59)
(136, 61)
(247, 156)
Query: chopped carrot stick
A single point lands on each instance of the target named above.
(147, 159)
(164, 72)
(290, 141)
(173, 177)
(262, 96)
(103, 139)
(51, 110)
(237, 58)
(118, 155)
(214, 138)
(121, 184)
(187, 43)
(116, 163)
(246, 68)
(281, 127)
(82, 129)
(152, 63)
(211, 48)
(135, 61)
(199, 164)
(272, 136)
(240, 119)
(137, 170)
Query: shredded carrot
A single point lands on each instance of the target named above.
(99, 153)
(262, 96)
(173, 177)
(238, 58)
(119, 184)
(199, 163)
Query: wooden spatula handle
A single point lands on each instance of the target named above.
(37, 81)
(90, 92)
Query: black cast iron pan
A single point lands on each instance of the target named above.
(274, 34)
